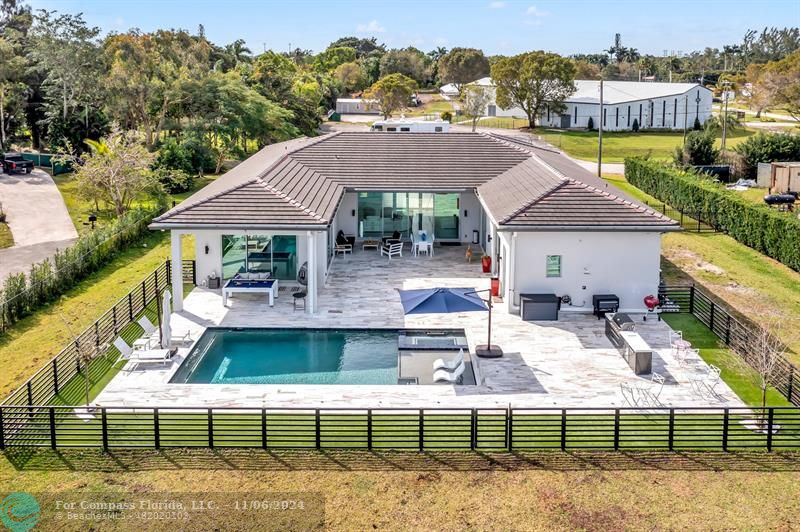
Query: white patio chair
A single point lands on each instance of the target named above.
(392, 250)
(145, 323)
(712, 379)
(442, 375)
(450, 365)
(655, 387)
(629, 394)
(122, 346)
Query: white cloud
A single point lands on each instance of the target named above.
(534, 11)
(373, 26)
(497, 5)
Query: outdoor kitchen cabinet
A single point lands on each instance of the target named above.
(539, 307)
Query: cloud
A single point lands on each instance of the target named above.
(497, 4)
(534, 11)
(373, 26)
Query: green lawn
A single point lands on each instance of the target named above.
(740, 277)
(618, 145)
(6, 238)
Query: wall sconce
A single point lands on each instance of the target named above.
(465, 213)
(353, 212)
(206, 249)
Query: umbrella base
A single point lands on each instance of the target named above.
(488, 351)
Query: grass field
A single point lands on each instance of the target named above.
(618, 145)
(742, 278)
(6, 238)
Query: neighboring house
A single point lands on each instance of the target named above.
(449, 91)
(357, 106)
(549, 225)
(410, 125)
(654, 105)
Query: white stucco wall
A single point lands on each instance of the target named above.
(344, 219)
(625, 264)
(472, 221)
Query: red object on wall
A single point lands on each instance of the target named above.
(495, 286)
(486, 262)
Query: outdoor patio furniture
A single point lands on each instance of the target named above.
(145, 323)
(442, 375)
(392, 250)
(449, 365)
(267, 286)
(678, 344)
(153, 337)
(370, 243)
(343, 245)
(150, 356)
(706, 381)
(653, 390)
(539, 307)
(391, 239)
(299, 296)
(629, 394)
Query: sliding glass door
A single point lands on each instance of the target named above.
(383, 213)
(274, 254)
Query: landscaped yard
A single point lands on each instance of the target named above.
(619, 145)
(741, 277)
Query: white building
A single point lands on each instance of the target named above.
(653, 105)
(357, 106)
(548, 225)
(411, 125)
(449, 91)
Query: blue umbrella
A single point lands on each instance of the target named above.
(440, 300)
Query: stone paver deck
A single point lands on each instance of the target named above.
(567, 363)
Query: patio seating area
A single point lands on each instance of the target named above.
(559, 364)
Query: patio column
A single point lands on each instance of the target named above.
(311, 286)
(177, 271)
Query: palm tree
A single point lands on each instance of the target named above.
(238, 52)
(437, 53)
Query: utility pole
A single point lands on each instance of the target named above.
(600, 134)
(725, 93)
(685, 116)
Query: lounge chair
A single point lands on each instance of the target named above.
(145, 323)
(150, 356)
(442, 375)
(450, 365)
(392, 250)
(395, 238)
(342, 245)
(152, 332)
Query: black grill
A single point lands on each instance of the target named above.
(602, 303)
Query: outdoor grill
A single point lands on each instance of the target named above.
(602, 303)
(620, 330)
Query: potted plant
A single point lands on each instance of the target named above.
(486, 263)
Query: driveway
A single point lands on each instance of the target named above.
(37, 217)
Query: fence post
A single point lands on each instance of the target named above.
(790, 388)
(97, 334)
(194, 272)
(421, 426)
(168, 269)
(30, 393)
(263, 428)
(473, 430)
(130, 305)
(156, 429)
(725, 421)
(728, 331)
(563, 429)
(691, 299)
(144, 296)
(114, 318)
(713, 309)
(211, 428)
(155, 277)
(52, 414)
(104, 427)
(2, 431)
(671, 436)
(770, 424)
(317, 431)
(369, 429)
(616, 429)
(55, 375)
(509, 429)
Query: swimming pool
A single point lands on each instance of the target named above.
(292, 356)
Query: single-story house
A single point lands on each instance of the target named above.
(652, 105)
(449, 90)
(549, 225)
(357, 106)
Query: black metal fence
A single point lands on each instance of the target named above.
(736, 333)
(690, 221)
(727, 429)
(50, 379)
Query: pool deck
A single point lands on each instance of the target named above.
(564, 363)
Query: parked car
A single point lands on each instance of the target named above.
(14, 162)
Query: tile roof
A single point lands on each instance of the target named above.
(301, 182)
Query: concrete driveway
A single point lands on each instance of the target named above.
(37, 217)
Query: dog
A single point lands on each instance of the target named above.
(468, 254)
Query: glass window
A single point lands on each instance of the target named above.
(553, 266)
(446, 216)
(259, 254)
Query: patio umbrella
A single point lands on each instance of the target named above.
(440, 300)
(166, 329)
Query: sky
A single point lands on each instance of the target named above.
(495, 26)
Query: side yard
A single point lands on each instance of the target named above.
(743, 278)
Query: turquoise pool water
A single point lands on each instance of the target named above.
(291, 356)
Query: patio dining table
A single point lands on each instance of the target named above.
(424, 246)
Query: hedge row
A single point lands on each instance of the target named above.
(22, 294)
(766, 230)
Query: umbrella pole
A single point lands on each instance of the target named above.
(489, 350)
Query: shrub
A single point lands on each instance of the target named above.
(635, 125)
(766, 230)
(697, 150)
(697, 126)
(447, 115)
(590, 124)
(174, 180)
(766, 148)
(192, 155)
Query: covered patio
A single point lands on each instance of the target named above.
(564, 363)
